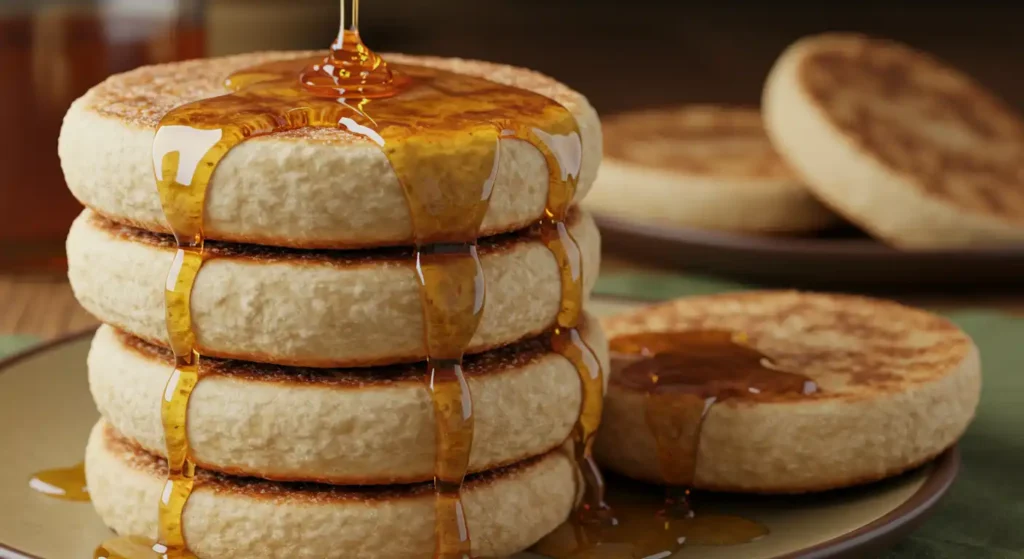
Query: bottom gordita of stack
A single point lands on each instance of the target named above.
(314, 463)
(227, 517)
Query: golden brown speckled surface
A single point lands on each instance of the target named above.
(141, 460)
(851, 346)
(141, 97)
(493, 362)
(927, 122)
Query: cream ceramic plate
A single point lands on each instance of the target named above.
(46, 413)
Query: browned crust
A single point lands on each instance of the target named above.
(116, 228)
(306, 477)
(315, 243)
(890, 367)
(141, 97)
(628, 137)
(391, 359)
(844, 74)
(499, 361)
(402, 256)
(317, 493)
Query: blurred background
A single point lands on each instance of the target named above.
(623, 55)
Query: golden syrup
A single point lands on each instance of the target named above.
(643, 528)
(62, 483)
(441, 132)
(682, 375)
(351, 69)
(563, 151)
(452, 292)
(131, 547)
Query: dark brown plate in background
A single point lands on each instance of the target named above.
(840, 258)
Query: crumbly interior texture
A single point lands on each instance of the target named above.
(507, 510)
(319, 309)
(310, 188)
(897, 386)
(342, 426)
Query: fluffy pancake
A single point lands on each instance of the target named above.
(341, 426)
(311, 308)
(897, 386)
(701, 166)
(507, 510)
(911, 150)
(311, 188)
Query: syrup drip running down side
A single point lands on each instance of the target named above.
(428, 123)
(564, 162)
(682, 375)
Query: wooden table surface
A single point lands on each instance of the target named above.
(45, 307)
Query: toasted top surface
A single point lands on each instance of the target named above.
(718, 141)
(142, 97)
(933, 125)
(851, 346)
(307, 188)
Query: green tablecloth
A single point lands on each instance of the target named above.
(983, 515)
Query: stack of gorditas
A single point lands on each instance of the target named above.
(336, 326)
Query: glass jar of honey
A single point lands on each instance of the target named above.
(51, 52)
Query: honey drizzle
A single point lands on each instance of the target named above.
(683, 374)
(563, 153)
(67, 484)
(452, 291)
(443, 145)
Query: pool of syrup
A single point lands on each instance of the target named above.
(682, 374)
(62, 483)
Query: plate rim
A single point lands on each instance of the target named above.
(898, 523)
(880, 533)
(6, 364)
